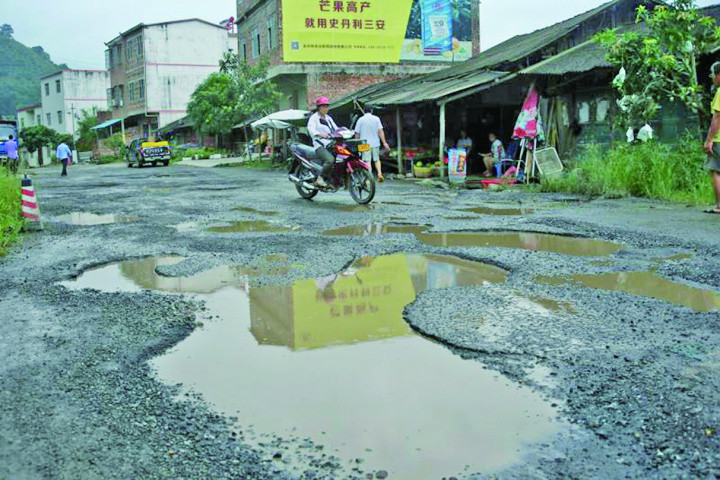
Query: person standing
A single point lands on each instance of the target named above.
(465, 142)
(321, 126)
(64, 154)
(11, 148)
(712, 143)
(370, 128)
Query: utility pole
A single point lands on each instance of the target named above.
(72, 115)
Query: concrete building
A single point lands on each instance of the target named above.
(260, 35)
(29, 117)
(155, 68)
(67, 93)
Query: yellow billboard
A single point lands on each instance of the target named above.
(370, 31)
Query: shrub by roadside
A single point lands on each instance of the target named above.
(11, 220)
(652, 170)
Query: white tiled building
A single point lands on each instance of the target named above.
(67, 93)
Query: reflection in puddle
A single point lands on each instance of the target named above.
(256, 212)
(647, 284)
(85, 218)
(523, 240)
(250, 226)
(498, 211)
(406, 405)
(370, 206)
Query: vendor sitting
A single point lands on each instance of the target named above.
(497, 153)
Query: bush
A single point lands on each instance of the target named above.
(201, 152)
(652, 170)
(11, 220)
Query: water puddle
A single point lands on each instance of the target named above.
(256, 212)
(523, 240)
(251, 226)
(646, 284)
(371, 206)
(498, 211)
(86, 218)
(332, 360)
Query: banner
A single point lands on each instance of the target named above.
(457, 165)
(437, 28)
(369, 31)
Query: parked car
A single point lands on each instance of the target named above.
(142, 151)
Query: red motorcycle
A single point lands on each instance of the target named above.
(349, 171)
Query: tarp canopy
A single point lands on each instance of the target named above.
(106, 124)
(282, 120)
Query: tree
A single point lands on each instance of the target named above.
(37, 136)
(86, 136)
(658, 60)
(6, 30)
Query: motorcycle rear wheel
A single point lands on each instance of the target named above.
(305, 193)
(362, 186)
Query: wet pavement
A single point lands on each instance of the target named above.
(86, 219)
(155, 345)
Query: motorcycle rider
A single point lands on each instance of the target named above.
(320, 126)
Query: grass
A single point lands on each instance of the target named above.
(11, 221)
(673, 172)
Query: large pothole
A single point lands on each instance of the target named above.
(331, 361)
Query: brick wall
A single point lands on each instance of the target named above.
(337, 85)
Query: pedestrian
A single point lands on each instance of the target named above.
(712, 143)
(497, 153)
(64, 154)
(11, 148)
(370, 128)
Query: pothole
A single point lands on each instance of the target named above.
(507, 239)
(87, 218)
(251, 226)
(645, 284)
(498, 211)
(256, 212)
(332, 361)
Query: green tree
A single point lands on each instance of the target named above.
(37, 136)
(658, 60)
(6, 30)
(86, 136)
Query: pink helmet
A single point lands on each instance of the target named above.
(322, 101)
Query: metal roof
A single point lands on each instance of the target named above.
(581, 58)
(106, 124)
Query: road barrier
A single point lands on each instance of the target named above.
(30, 206)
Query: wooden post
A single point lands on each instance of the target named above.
(398, 132)
(441, 147)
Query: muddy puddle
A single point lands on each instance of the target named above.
(645, 284)
(332, 361)
(498, 211)
(251, 226)
(522, 240)
(86, 218)
(371, 206)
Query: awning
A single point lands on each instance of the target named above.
(106, 124)
(282, 120)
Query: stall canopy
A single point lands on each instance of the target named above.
(282, 120)
(106, 124)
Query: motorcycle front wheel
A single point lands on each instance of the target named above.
(362, 186)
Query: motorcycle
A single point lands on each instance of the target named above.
(349, 171)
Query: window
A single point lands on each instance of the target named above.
(109, 95)
(603, 108)
(141, 89)
(117, 51)
(22, 123)
(256, 43)
(57, 86)
(39, 119)
(129, 50)
(108, 63)
(271, 31)
(243, 50)
(47, 89)
(583, 113)
(49, 119)
(139, 47)
(131, 92)
(59, 115)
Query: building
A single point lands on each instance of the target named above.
(67, 93)
(154, 69)
(29, 117)
(260, 35)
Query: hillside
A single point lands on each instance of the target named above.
(21, 68)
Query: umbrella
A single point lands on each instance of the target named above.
(282, 120)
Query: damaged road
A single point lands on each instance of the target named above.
(209, 323)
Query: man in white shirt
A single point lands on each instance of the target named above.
(64, 154)
(370, 128)
(320, 126)
(465, 142)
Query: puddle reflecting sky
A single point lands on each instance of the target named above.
(256, 212)
(86, 218)
(333, 360)
(250, 226)
(523, 240)
(498, 211)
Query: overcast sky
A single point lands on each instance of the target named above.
(74, 31)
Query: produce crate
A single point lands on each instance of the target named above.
(422, 172)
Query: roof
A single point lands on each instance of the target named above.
(183, 122)
(581, 58)
(73, 70)
(29, 107)
(140, 26)
(106, 124)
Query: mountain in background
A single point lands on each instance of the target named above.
(21, 68)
